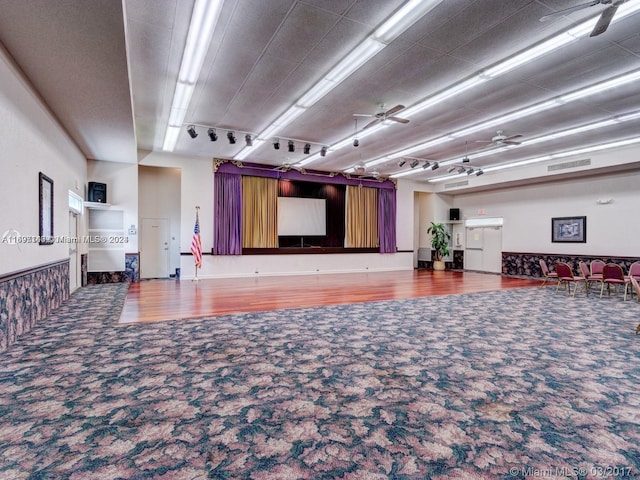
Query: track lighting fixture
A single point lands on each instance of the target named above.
(461, 169)
(291, 146)
(356, 142)
(212, 134)
(451, 169)
(435, 166)
(402, 162)
(307, 148)
(231, 136)
(323, 151)
(414, 163)
(465, 159)
(248, 140)
(191, 130)
(479, 172)
(470, 170)
(426, 164)
(276, 143)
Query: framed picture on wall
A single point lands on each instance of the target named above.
(569, 229)
(46, 210)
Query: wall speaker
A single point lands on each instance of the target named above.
(97, 192)
(454, 214)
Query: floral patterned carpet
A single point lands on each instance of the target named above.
(523, 383)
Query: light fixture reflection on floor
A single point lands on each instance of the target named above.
(231, 136)
(191, 130)
(212, 134)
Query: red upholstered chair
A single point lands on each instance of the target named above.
(596, 269)
(634, 270)
(584, 271)
(546, 273)
(566, 277)
(612, 274)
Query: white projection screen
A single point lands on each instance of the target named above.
(302, 216)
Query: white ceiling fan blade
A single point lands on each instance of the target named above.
(604, 21)
(565, 11)
(362, 115)
(511, 137)
(395, 109)
(398, 119)
(509, 142)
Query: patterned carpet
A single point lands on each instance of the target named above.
(511, 384)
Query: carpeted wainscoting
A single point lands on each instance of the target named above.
(501, 385)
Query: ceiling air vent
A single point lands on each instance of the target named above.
(456, 184)
(575, 164)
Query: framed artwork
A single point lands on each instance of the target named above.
(46, 210)
(569, 229)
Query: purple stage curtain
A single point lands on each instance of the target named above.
(227, 233)
(387, 220)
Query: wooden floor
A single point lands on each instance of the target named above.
(156, 300)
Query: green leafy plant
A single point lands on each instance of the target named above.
(439, 240)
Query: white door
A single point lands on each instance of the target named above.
(154, 248)
(473, 250)
(74, 270)
(483, 249)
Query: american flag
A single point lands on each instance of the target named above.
(196, 246)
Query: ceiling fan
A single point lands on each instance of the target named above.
(384, 115)
(361, 170)
(603, 21)
(501, 139)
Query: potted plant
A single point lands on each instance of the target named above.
(440, 243)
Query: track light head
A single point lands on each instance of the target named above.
(276, 143)
(323, 151)
(470, 171)
(291, 146)
(465, 159)
(414, 163)
(479, 172)
(356, 142)
(307, 149)
(231, 136)
(402, 162)
(426, 164)
(191, 130)
(435, 166)
(248, 140)
(451, 169)
(461, 169)
(212, 134)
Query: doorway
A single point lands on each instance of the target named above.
(154, 248)
(74, 264)
(483, 246)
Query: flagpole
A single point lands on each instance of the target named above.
(196, 279)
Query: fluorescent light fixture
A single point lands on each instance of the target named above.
(244, 153)
(601, 87)
(171, 138)
(307, 161)
(291, 114)
(444, 95)
(354, 60)
(318, 91)
(203, 21)
(405, 17)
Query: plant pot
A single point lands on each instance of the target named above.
(438, 265)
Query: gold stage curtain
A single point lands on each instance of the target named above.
(259, 212)
(362, 217)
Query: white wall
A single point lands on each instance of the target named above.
(122, 192)
(159, 197)
(612, 229)
(31, 141)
